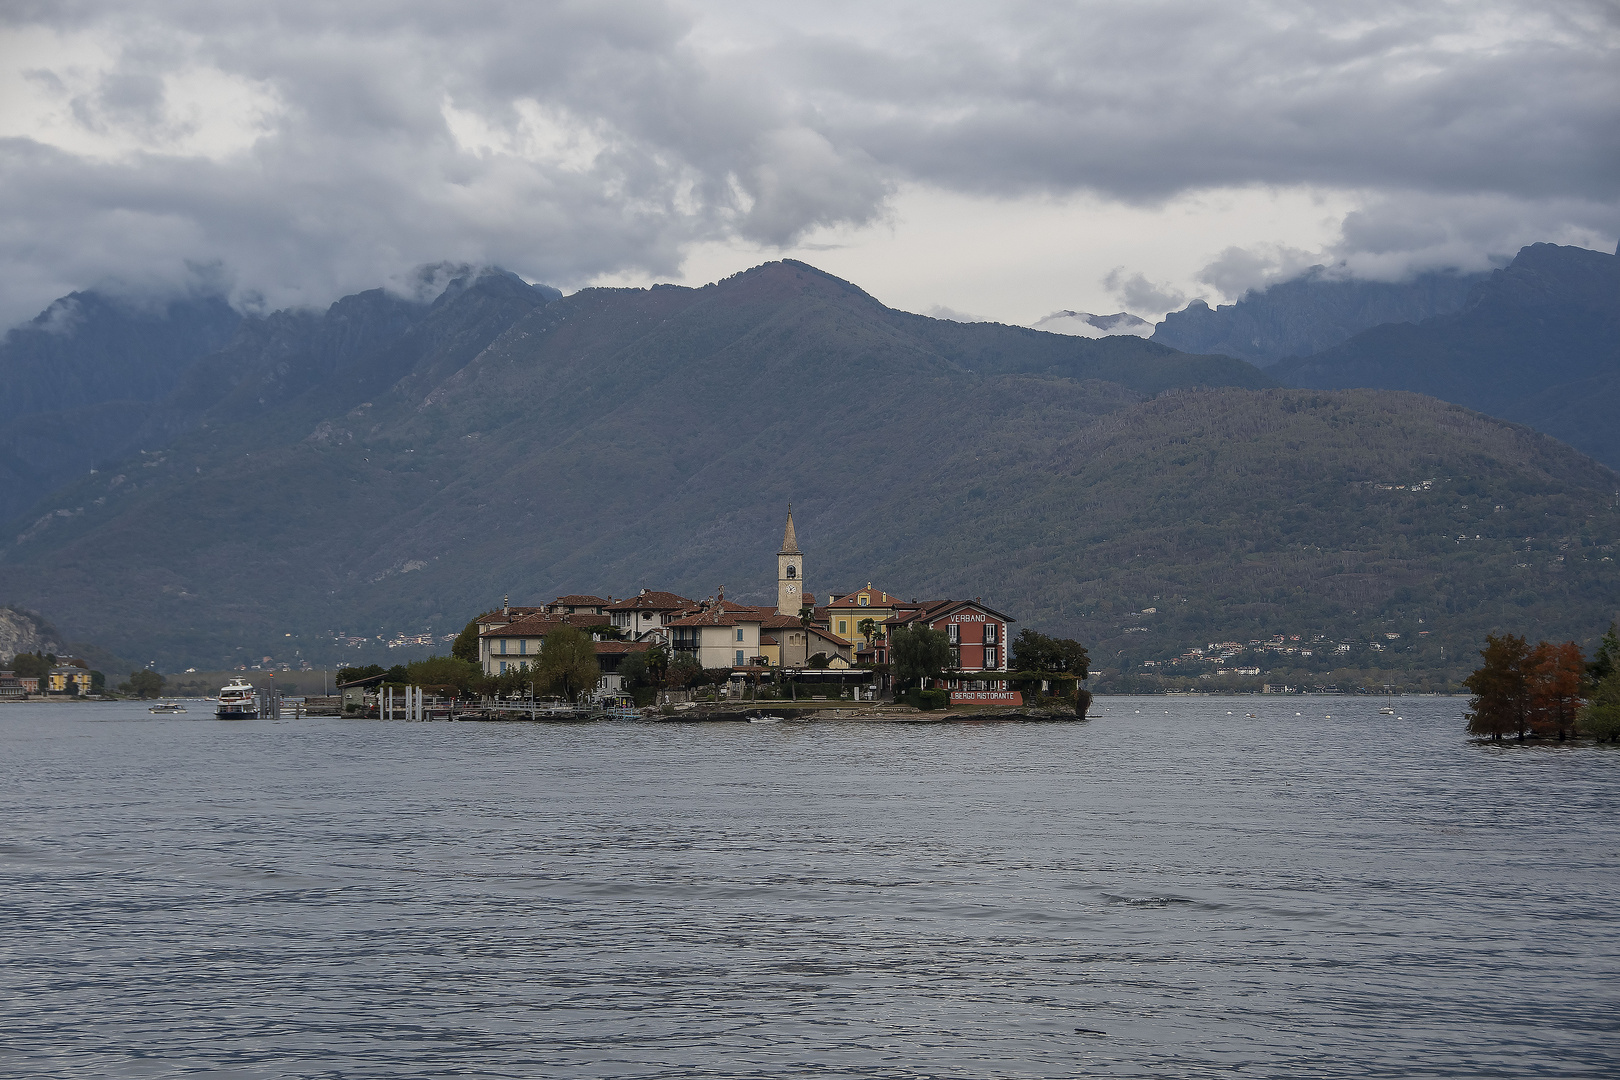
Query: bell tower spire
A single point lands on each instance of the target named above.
(789, 571)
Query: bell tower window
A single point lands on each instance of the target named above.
(793, 571)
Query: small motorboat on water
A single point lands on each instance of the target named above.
(764, 719)
(167, 707)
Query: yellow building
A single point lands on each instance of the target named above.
(59, 677)
(846, 614)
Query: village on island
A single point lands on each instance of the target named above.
(805, 649)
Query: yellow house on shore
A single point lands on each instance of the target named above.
(846, 614)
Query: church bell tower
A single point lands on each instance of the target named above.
(789, 572)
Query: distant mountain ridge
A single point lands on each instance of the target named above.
(1310, 313)
(1537, 341)
(376, 467)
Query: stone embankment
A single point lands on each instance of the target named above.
(860, 714)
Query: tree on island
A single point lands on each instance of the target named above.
(143, 684)
(1501, 689)
(1555, 687)
(1060, 656)
(466, 643)
(442, 673)
(567, 663)
(1601, 717)
(33, 665)
(919, 653)
(1037, 653)
(1519, 689)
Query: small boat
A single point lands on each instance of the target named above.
(167, 707)
(764, 719)
(1389, 704)
(238, 701)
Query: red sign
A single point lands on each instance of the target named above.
(986, 697)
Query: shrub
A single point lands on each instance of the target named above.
(927, 700)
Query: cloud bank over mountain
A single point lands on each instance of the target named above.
(297, 151)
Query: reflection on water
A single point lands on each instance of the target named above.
(1173, 888)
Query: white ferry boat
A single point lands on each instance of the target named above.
(238, 701)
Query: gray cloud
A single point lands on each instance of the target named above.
(1138, 294)
(568, 140)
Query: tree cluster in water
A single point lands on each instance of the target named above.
(1546, 689)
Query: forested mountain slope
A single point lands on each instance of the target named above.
(79, 380)
(619, 438)
(1538, 342)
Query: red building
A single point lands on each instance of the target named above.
(978, 637)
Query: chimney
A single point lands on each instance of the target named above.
(506, 604)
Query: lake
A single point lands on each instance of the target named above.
(1172, 888)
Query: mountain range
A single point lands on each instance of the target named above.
(1312, 312)
(401, 462)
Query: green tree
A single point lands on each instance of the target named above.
(1601, 717)
(633, 670)
(33, 666)
(919, 653)
(567, 663)
(817, 662)
(466, 643)
(352, 674)
(1607, 658)
(1501, 688)
(445, 672)
(144, 684)
(868, 629)
(1060, 656)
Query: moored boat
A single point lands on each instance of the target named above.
(167, 707)
(238, 701)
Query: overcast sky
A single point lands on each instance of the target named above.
(998, 161)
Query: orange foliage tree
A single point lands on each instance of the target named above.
(1501, 701)
(1554, 674)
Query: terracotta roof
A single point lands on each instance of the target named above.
(541, 625)
(834, 638)
(877, 598)
(510, 613)
(610, 648)
(727, 614)
(576, 600)
(653, 600)
(938, 609)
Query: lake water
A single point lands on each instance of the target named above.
(1174, 888)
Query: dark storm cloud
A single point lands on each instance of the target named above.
(566, 140)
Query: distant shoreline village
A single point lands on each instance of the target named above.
(839, 648)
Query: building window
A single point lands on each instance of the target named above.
(990, 656)
(523, 646)
(990, 633)
(503, 652)
(843, 626)
(739, 655)
(864, 600)
(793, 571)
(739, 636)
(503, 665)
(954, 633)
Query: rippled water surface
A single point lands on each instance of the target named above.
(1173, 888)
